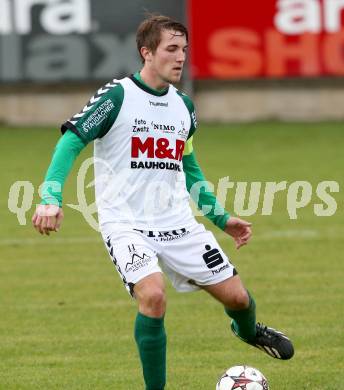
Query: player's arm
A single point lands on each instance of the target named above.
(199, 190)
(94, 121)
(239, 229)
(49, 215)
(202, 195)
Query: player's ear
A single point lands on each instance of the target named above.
(146, 54)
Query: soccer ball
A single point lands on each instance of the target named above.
(242, 378)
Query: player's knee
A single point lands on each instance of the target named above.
(153, 303)
(156, 298)
(239, 300)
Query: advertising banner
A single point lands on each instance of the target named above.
(56, 40)
(266, 39)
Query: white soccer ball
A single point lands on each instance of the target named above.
(242, 378)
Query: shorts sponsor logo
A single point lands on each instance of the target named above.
(137, 261)
(165, 236)
(212, 257)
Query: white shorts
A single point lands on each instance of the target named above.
(190, 258)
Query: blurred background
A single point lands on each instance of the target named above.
(272, 60)
(267, 78)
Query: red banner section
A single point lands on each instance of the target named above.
(270, 38)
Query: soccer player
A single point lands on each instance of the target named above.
(145, 165)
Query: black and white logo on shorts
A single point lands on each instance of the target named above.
(212, 257)
(138, 261)
(164, 236)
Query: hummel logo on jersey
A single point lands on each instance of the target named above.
(212, 257)
(158, 104)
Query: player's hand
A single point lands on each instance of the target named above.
(240, 230)
(47, 218)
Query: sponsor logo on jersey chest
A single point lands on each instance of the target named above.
(140, 126)
(157, 148)
(164, 128)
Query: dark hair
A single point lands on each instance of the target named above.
(149, 31)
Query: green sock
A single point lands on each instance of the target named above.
(150, 337)
(244, 321)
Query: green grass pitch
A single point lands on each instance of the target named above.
(66, 322)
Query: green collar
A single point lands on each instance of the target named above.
(136, 78)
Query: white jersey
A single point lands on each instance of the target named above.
(139, 138)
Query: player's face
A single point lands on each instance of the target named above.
(169, 57)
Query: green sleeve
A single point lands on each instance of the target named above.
(204, 197)
(99, 114)
(191, 108)
(65, 153)
(94, 121)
